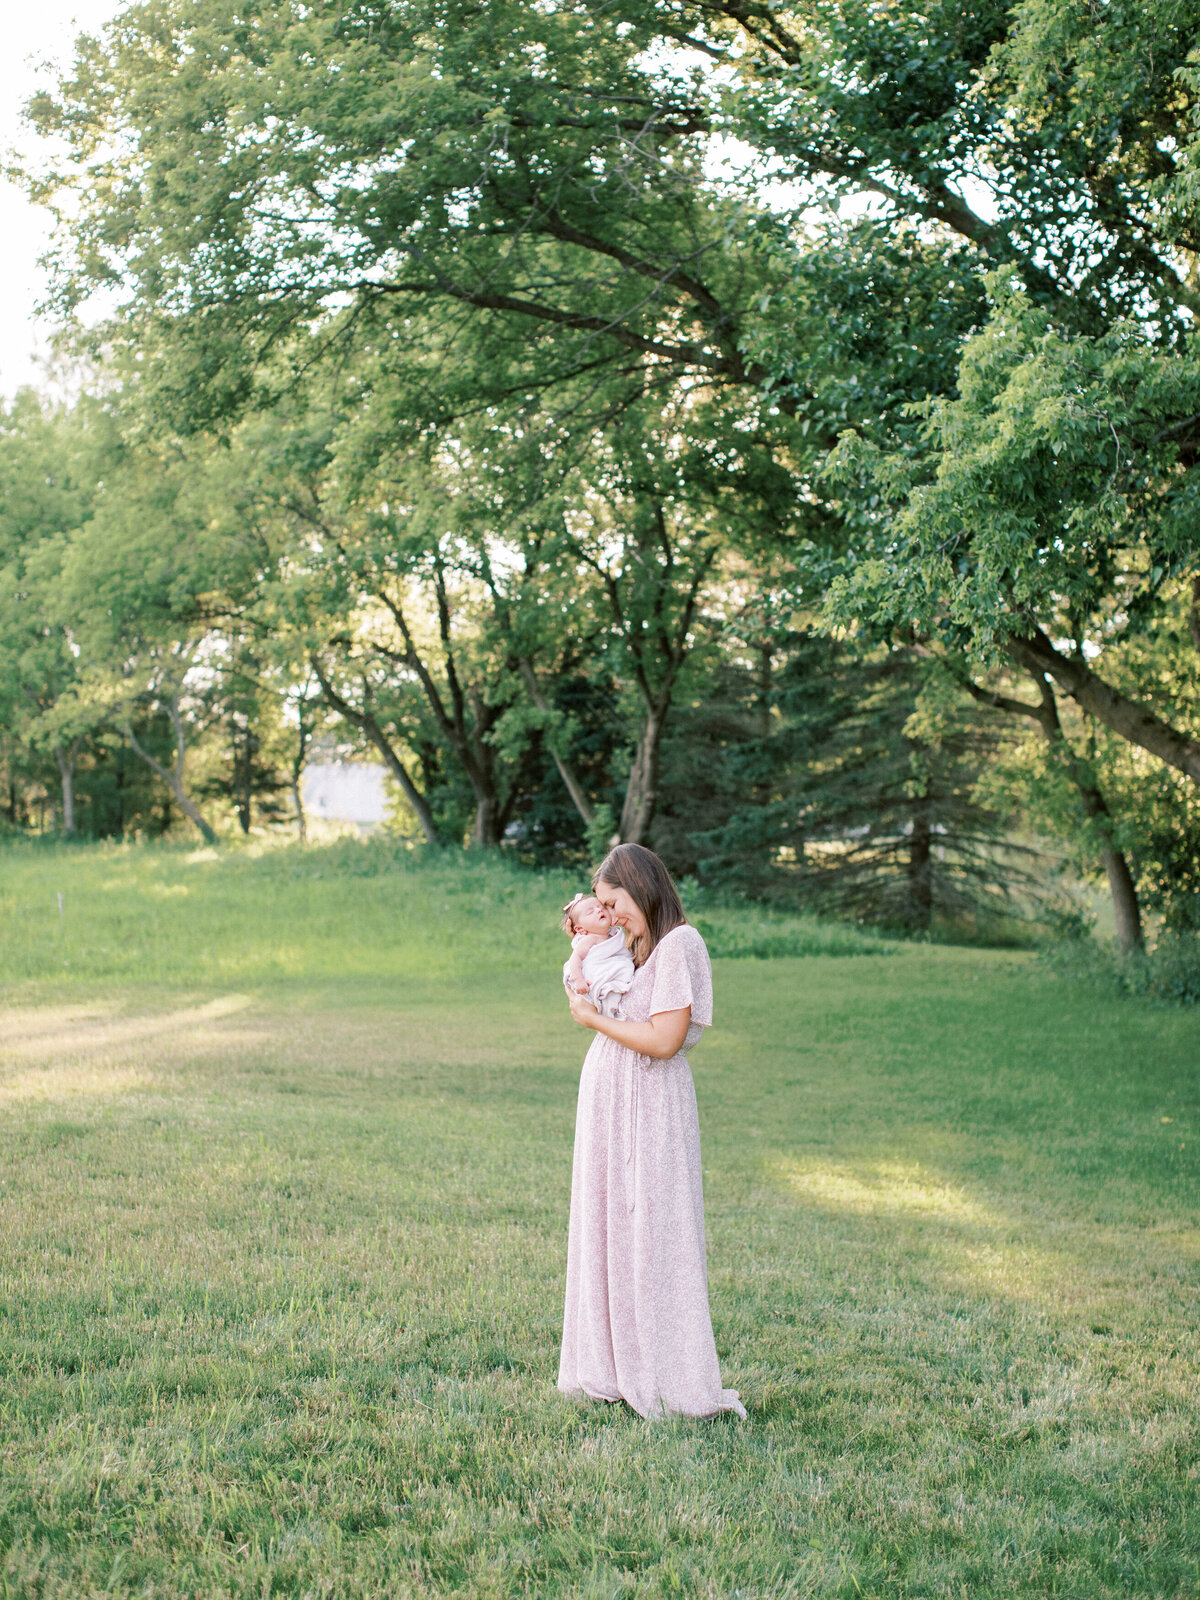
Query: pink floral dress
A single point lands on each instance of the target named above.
(637, 1324)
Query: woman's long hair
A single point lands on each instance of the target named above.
(648, 884)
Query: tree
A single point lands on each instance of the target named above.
(1090, 804)
(375, 591)
(480, 157)
(1112, 804)
(249, 703)
(608, 537)
(846, 776)
(518, 201)
(1054, 501)
(148, 588)
(49, 464)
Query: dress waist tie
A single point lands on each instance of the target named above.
(633, 1080)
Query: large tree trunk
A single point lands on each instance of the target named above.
(1129, 718)
(919, 904)
(480, 767)
(1126, 908)
(66, 769)
(485, 831)
(173, 776)
(641, 793)
(476, 760)
(1127, 911)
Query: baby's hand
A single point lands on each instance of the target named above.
(583, 1011)
(581, 986)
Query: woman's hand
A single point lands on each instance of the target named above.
(662, 1038)
(582, 1010)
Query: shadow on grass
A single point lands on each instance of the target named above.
(917, 1305)
(58, 1052)
(1058, 1259)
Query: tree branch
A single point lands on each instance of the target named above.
(691, 354)
(1129, 718)
(413, 661)
(367, 723)
(573, 786)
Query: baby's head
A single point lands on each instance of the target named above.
(585, 914)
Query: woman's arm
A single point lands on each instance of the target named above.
(660, 1038)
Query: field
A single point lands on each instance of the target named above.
(284, 1152)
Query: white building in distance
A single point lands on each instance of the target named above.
(345, 791)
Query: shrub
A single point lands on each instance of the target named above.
(1168, 973)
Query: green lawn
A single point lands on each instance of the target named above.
(284, 1153)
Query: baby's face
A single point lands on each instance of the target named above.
(589, 916)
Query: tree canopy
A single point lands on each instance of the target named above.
(522, 367)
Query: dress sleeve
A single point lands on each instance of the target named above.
(683, 976)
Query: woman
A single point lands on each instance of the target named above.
(637, 1326)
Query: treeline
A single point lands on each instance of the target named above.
(821, 513)
(188, 617)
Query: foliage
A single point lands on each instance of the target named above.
(1053, 500)
(576, 294)
(847, 779)
(50, 459)
(1167, 973)
(470, 161)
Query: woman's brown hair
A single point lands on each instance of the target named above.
(649, 885)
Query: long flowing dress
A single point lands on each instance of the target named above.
(637, 1325)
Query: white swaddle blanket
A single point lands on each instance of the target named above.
(608, 969)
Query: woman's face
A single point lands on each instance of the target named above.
(625, 910)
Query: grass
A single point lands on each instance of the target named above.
(284, 1154)
(181, 916)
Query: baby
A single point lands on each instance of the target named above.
(600, 966)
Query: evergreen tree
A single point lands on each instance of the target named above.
(845, 785)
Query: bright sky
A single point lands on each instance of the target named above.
(35, 32)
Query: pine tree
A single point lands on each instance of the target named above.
(830, 782)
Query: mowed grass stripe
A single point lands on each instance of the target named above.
(282, 1274)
